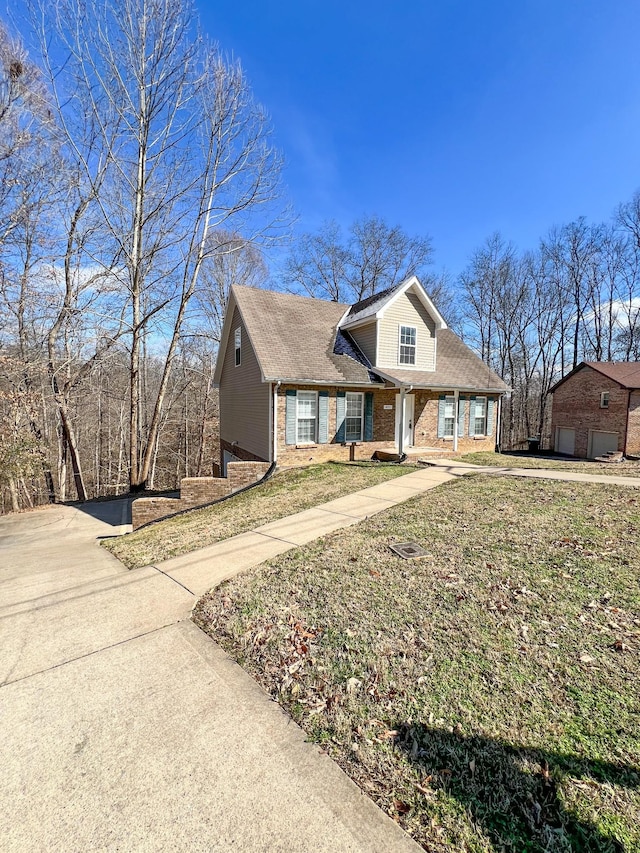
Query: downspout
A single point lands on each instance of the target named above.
(274, 454)
(456, 424)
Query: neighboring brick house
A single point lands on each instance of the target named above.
(596, 409)
(303, 379)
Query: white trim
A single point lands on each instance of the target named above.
(402, 288)
(402, 326)
(414, 281)
(604, 394)
(314, 440)
(346, 417)
(237, 346)
(456, 418)
(482, 434)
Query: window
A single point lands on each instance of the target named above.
(306, 418)
(354, 416)
(478, 416)
(407, 354)
(449, 417)
(238, 342)
(604, 400)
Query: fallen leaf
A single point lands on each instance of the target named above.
(585, 658)
(400, 807)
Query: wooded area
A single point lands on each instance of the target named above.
(137, 182)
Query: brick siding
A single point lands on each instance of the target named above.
(633, 427)
(197, 491)
(384, 427)
(576, 405)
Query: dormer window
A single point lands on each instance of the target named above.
(604, 400)
(407, 351)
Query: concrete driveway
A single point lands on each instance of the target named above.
(124, 728)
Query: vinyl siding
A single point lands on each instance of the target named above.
(244, 398)
(365, 337)
(407, 311)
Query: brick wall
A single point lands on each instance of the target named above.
(576, 405)
(196, 491)
(633, 428)
(384, 427)
(241, 474)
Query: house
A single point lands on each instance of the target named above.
(303, 379)
(596, 409)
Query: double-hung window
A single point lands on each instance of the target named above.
(407, 351)
(238, 346)
(354, 415)
(604, 400)
(478, 416)
(449, 416)
(306, 417)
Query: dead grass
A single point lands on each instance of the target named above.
(555, 463)
(485, 696)
(286, 493)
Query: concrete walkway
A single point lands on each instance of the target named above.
(125, 728)
(456, 467)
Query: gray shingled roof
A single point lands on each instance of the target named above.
(456, 367)
(294, 338)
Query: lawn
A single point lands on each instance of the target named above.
(486, 695)
(556, 463)
(285, 493)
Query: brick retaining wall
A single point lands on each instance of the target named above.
(197, 491)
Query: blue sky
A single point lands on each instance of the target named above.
(450, 118)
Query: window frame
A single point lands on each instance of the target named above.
(410, 348)
(360, 396)
(449, 399)
(237, 340)
(306, 441)
(485, 410)
(604, 399)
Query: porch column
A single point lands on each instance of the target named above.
(401, 424)
(456, 415)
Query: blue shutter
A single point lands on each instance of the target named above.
(441, 405)
(368, 416)
(472, 417)
(490, 403)
(323, 417)
(340, 413)
(462, 402)
(290, 418)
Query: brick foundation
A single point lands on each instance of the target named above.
(197, 491)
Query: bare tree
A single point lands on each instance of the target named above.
(372, 257)
(186, 149)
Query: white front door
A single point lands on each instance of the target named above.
(409, 409)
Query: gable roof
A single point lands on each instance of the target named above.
(297, 339)
(625, 373)
(374, 306)
(457, 367)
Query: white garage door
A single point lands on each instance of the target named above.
(603, 442)
(566, 441)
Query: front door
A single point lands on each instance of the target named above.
(409, 409)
